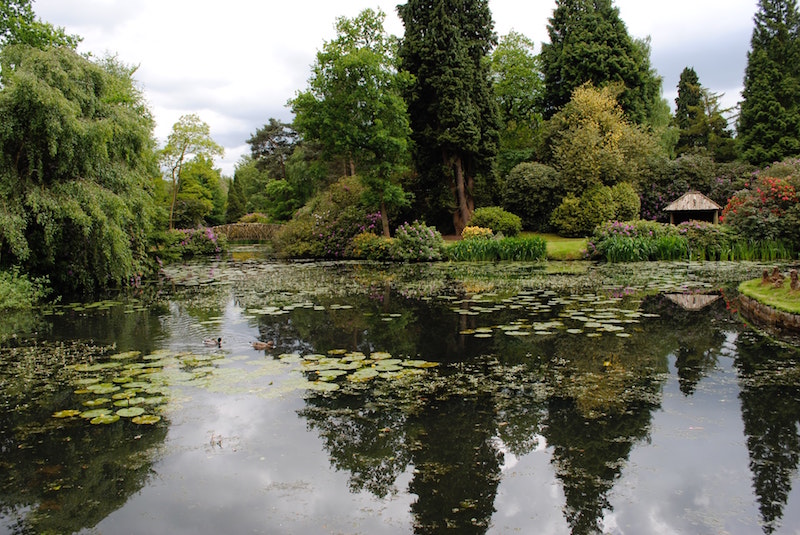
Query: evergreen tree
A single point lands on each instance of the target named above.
(453, 111)
(237, 204)
(769, 120)
(590, 43)
(687, 105)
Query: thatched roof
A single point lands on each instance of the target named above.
(694, 201)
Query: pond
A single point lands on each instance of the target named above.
(475, 398)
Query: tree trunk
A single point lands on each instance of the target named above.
(385, 219)
(463, 197)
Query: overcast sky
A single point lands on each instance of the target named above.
(236, 63)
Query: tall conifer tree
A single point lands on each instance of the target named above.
(590, 43)
(769, 120)
(451, 105)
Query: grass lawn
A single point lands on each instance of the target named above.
(778, 298)
(559, 248)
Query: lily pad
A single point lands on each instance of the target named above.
(146, 419)
(69, 413)
(104, 419)
(363, 375)
(130, 412)
(94, 413)
(96, 402)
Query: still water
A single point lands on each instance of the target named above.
(469, 398)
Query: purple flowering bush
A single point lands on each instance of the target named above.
(417, 242)
(187, 243)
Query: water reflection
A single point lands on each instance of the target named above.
(572, 374)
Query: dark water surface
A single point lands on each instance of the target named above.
(468, 398)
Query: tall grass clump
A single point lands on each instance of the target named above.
(524, 249)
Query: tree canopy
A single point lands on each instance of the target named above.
(769, 120)
(590, 43)
(19, 25)
(76, 163)
(452, 107)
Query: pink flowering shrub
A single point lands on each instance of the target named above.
(767, 209)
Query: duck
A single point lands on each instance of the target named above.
(212, 342)
(259, 345)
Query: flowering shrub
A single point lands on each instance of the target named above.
(417, 242)
(766, 209)
(186, 243)
(476, 233)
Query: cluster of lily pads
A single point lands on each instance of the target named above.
(324, 371)
(591, 315)
(118, 388)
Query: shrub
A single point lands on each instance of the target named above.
(766, 209)
(533, 191)
(370, 246)
(19, 292)
(187, 243)
(497, 219)
(417, 242)
(578, 217)
(476, 233)
(626, 202)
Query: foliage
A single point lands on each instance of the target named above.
(19, 25)
(188, 243)
(201, 200)
(578, 216)
(782, 298)
(370, 246)
(769, 119)
(497, 219)
(236, 206)
(353, 108)
(522, 249)
(700, 120)
(254, 217)
(282, 201)
(18, 291)
(635, 241)
(589, 43)
(518, 87)
(476, 233)
(767, 209)
(532, 191)
(627, 204)
(692, 171)
(76, 150)
(324, 227)
(593, 144)
(417, 242)
(453, 112)
(271, 146)
(190, 136)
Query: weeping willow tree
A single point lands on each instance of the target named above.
(76, 168)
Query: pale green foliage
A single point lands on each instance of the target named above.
(190, 137)
(578, 216)
(626, 202)
(77, 145)
(593, 144)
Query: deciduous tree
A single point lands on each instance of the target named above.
(76, 161)
(190, 137)
(453, 110)
(19, 25)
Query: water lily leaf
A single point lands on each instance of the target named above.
(94, 413)
(102, 388)
(130, 412)
(69, 413)
(329, 375)
(419, 364)
(96, 402)
(363, 375)
(154, 400)
(146, 419)
(126, 355)
(322, 386)
(136, 385)
(128, 402)
(380, 355)
(122, 379)
(104, 419)
(87, 381)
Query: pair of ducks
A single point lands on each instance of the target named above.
(258, 344)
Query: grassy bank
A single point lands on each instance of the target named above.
(559, 248)
(782, 298)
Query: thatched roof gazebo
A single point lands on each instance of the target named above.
(693, 206)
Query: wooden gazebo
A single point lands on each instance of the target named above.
(693, 206)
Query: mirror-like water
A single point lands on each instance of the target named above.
(403, 399)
